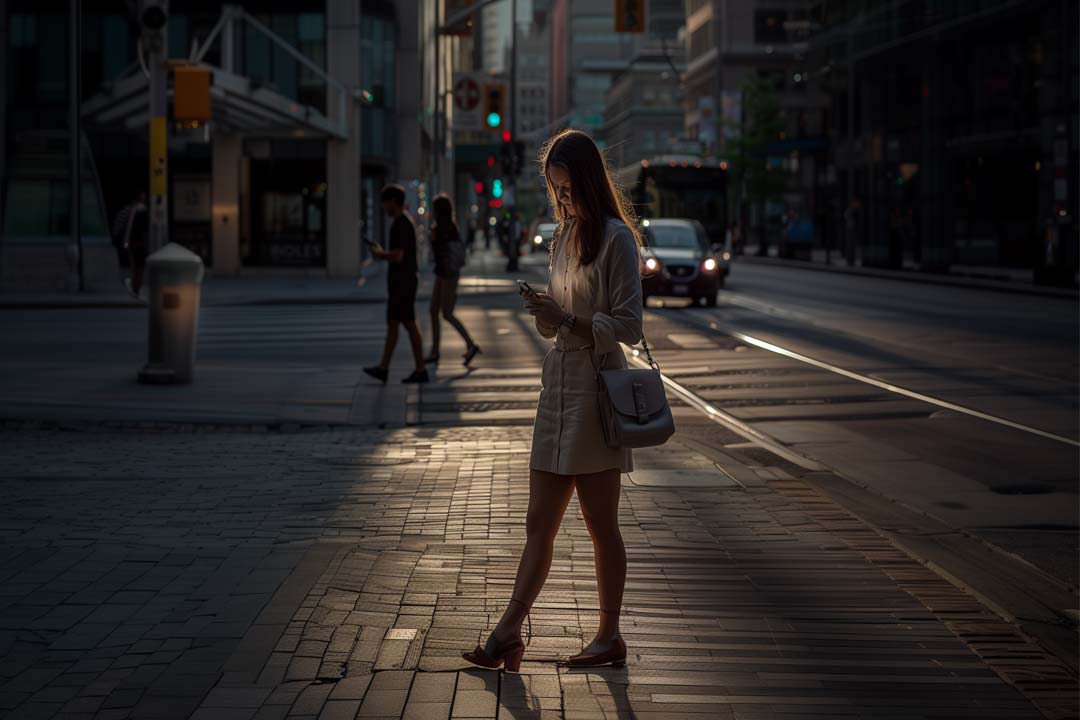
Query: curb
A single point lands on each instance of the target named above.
(917, 277)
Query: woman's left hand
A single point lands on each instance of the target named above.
(544, 308)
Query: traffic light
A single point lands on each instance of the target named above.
(496, 188)
(494, 105)
(191, 95)
(629, 16)
(479, 187)
(519, 156)
(153, 14)
(506, 157)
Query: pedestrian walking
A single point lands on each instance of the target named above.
(448, 249)
(592, 303)
(513, 243)
(131, 238)
(401, 282)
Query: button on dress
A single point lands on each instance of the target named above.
(567, 436)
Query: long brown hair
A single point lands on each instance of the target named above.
(595, 196)
(443, 210)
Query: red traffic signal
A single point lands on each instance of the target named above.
(479, 187)
(494, 203)
(491, 161)
(506, 136)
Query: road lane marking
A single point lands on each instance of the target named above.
(765, 308)
(859, 377)
(729, 421)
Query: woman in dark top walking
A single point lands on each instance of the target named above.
(449, 252)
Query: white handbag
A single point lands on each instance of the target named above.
(634, 410)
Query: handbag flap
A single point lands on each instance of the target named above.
(634, 392)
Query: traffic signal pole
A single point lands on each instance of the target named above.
(75, 136)
(154, 20)
(515, 242)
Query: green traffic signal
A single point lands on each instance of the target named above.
(497, 189)
(494, 120)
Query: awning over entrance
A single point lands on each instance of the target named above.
(238, 104)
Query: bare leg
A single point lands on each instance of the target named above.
(414, 340)
(450, 301)
(549, 495)
(137, 268)
(436, 309)
(453, 320)
(391, 343)
(598, 494)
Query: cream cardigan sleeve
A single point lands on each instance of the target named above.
(622, 322)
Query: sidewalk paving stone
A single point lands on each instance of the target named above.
(172, 573)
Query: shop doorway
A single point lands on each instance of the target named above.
(288, 213)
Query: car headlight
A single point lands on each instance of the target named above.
(709, 265)
(651, 264)
(538, 240)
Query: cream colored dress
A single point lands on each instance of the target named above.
(567, 438)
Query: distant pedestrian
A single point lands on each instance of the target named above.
(592, 304)
(513, 243)
(448, 248)
(130, 234)
(401, 284)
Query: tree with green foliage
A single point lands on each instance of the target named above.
(762, 124)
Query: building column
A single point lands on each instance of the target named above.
(225, 209)
(343, 156)
(3, 107)
(935, 235)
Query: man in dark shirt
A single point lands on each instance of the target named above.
(401, 284)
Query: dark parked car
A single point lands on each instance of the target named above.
(680, 262)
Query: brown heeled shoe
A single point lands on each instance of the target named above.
(508, 655)
(615, 655)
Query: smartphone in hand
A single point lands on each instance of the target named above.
(524, 288)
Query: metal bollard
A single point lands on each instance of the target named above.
(173, 279)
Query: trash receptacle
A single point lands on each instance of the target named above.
(173, 279)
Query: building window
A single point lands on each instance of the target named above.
(700, 41)
(777, 27)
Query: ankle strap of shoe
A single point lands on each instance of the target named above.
(528, 618)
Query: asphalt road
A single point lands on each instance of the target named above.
(795, 354)
(1011, 357)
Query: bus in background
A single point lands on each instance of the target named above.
(681, 186)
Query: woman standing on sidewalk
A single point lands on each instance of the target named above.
(592, 304)
(449, 252)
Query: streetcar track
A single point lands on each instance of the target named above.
(760, 306)
(717, 327)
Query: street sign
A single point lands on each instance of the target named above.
(467, 110)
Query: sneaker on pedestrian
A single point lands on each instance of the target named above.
(379, 373)
(418, 376)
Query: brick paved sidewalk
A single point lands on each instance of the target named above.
(338, 574)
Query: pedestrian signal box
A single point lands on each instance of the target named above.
(630, 16)
(191, 96)
(494, 105)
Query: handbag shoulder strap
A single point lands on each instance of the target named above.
(645, 344)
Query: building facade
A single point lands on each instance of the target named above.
(953, 135)
(315, 106)
(643, 117)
